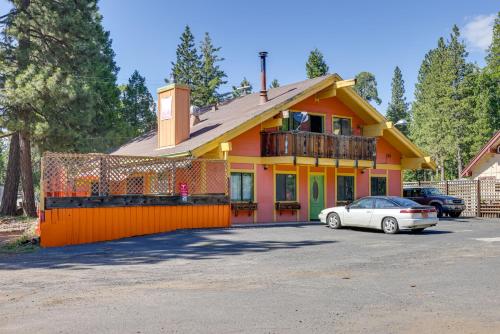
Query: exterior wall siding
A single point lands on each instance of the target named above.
(86, 225)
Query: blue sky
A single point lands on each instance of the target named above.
(354, 36)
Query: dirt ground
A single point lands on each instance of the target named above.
(13, 228)
(288, 279)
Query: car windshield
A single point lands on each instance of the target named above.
(432, 192)
(404, 202)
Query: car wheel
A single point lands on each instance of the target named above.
(439, 210)
(455, 214)
(390, 225)
(418, 230)
(333, 221)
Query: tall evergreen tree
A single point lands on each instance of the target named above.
(316, 65)
(487, 91)
(442, 114)
(59, 80)
(186, 68)
(274, 84)
(212, 76)
(244, 88)
(138, 106)
(398, 107)
(366, 87)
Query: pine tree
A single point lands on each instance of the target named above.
(138, 106)
(186, 68)
(244, 88)
(212, 77)
(59, 81)
(398, 107)
(442, 115)
(316, 65)
(274, 84)
(366, 87)
(487, 91)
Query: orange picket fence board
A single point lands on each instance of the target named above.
(85, 225)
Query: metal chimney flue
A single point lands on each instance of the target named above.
(263, 86)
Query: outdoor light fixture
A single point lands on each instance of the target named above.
(401, 122)
(266, 167)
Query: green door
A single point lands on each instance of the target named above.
(316, 195)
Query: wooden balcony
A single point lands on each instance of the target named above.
(317, 145)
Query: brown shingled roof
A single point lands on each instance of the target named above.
(215, 123)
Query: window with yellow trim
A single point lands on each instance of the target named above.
(378, 185)
(242, 187)
(342, 126)
(286, 187)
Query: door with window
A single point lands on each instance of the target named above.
(345, 189)
(316, 195)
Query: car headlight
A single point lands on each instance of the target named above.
(448, 201)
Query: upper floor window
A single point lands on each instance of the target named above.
(314, 123)
(342, 126)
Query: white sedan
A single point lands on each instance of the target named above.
(386, 213)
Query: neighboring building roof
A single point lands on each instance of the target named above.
(243, 113)
(492, 143)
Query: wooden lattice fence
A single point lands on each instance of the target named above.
(486, 192)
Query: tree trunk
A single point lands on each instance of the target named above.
(442, 169)
(9, 198)
(29, 205)
(459, 162)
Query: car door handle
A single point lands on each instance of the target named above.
(369, 211)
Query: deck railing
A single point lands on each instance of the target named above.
(317, 145)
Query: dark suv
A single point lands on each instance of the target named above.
(444, 204)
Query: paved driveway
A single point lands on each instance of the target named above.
(295, 279)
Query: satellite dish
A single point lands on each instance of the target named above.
(301, 117)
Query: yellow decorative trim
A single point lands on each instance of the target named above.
(210, 145)
(272, 123)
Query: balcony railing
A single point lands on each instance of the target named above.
(317, 145)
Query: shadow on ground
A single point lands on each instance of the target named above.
(187, 244)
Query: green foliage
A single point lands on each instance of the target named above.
(398, 107)
(366, 87)
(186, 68)
(274, 84)
(239, 90)
(138, 107)
(444, 123)
(212, 77)
(316, 65)
(67, 91)
(200, 71)
(487, 91)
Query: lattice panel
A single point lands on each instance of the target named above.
(75, 175)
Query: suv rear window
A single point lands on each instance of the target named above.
(411, 192)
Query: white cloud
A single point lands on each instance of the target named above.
(478, 32)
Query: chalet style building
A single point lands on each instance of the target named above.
(291, 150)
(486, 164)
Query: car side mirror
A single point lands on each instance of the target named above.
(347, 207)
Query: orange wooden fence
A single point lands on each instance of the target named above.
(71, 226)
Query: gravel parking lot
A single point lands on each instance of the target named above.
(286, 279)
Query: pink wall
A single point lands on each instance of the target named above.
(362, 184)
(329, 107)
(395, 185)
(330, 186)
(247, 144)
(386, 153)
(304, 200)
(265, 194)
